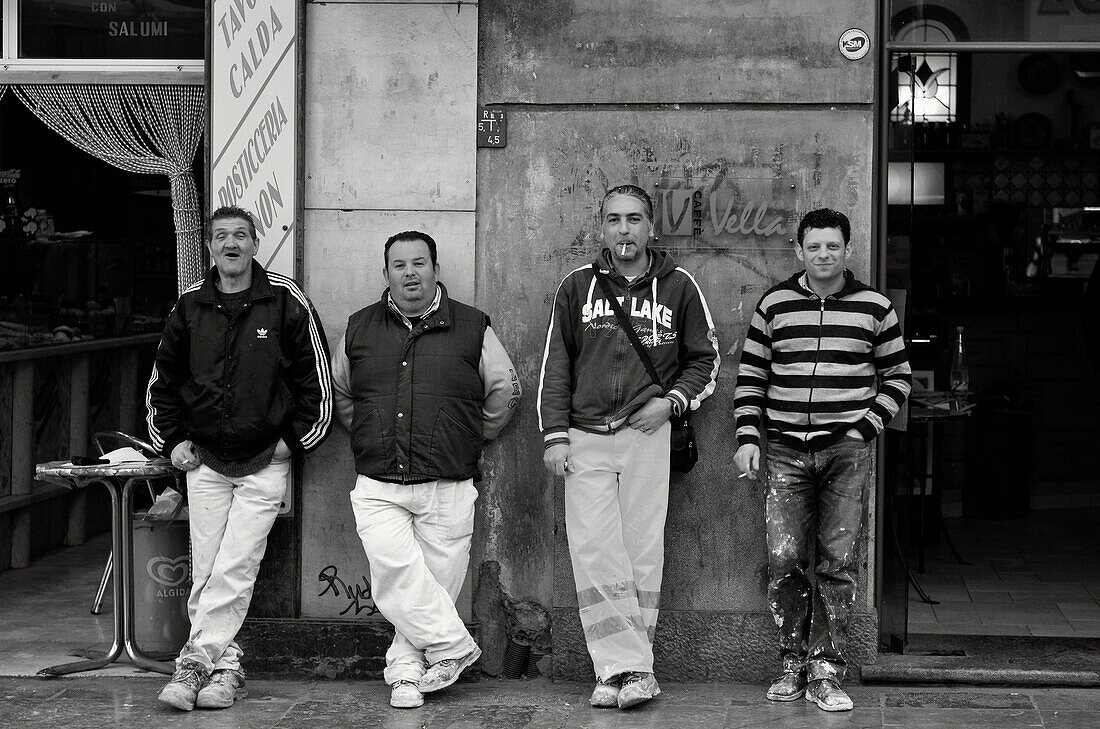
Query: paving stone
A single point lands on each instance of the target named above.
(1070, 719)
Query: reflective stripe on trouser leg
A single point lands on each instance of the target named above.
(417, 540)
(229, 520)
(616, 499)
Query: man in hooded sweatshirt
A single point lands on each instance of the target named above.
(605, 426)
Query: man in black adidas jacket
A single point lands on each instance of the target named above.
(241, 382)
(822, 371)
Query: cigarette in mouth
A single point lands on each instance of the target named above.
(624, 250)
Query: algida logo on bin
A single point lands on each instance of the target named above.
(171, 573)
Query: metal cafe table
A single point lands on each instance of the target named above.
(930, 408)
(120, 480)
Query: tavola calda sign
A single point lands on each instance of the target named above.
(253, 117)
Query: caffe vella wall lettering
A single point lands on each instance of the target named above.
(111, 29)
(726, 213)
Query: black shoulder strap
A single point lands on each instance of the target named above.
(624, 323)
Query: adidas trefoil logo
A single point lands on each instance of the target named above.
(261, 333)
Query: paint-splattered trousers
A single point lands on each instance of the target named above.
(815, 500)
(229, 520)
(616, 499)
(417, 540)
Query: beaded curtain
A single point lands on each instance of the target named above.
(147, 129)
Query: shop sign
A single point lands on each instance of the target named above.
(253, 142)
(114, 29)
(729, 213)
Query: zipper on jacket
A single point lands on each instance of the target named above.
(817, 360)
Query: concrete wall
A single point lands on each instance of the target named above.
(715, 96)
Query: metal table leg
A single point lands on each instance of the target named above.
(97, 604)
(115, 650)
(139, 658)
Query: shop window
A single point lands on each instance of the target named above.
(128, 34)
(87, 251)
(925, 85)
(927, 88)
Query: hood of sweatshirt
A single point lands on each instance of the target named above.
(851, 285)
(661, 263)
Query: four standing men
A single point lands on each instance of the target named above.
(421, 383)
(822, 372)
(240, 382)
(605, 426)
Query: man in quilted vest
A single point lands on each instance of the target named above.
(421, 382)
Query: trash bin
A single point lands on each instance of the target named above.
(162, 583)
(998, 460)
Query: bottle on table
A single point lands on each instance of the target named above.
(959, 378)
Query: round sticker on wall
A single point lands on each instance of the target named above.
(854, 44)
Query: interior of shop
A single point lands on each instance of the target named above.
(993, 238)
(87, 251)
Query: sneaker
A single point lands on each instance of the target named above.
(637, 688)
(225, 686)
(790, 686)
(406, 695)
(442, 674)
(606, 694)
(827, 694)
(184, 687)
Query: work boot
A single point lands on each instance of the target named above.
(792, 684)
(184, 687)
(827, 694)
(606, 693)
(406, 695)
(637, 687)
(225, 686)
(442, 674)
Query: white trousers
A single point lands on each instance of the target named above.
(417, 540)
(230, 519)
(616, 499)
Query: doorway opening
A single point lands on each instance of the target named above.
(993, 233)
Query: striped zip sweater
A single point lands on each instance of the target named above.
(812, 369)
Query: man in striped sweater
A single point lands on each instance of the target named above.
(822, 371)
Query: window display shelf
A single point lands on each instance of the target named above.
(81, 347)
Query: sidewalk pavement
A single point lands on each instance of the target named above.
(488, 703)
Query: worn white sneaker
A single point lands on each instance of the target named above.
(184, 687)
(637, 688)
(442, 674)
(225, 686)
(606, 694)
(406, 695)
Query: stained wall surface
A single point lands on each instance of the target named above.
(738, 117)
